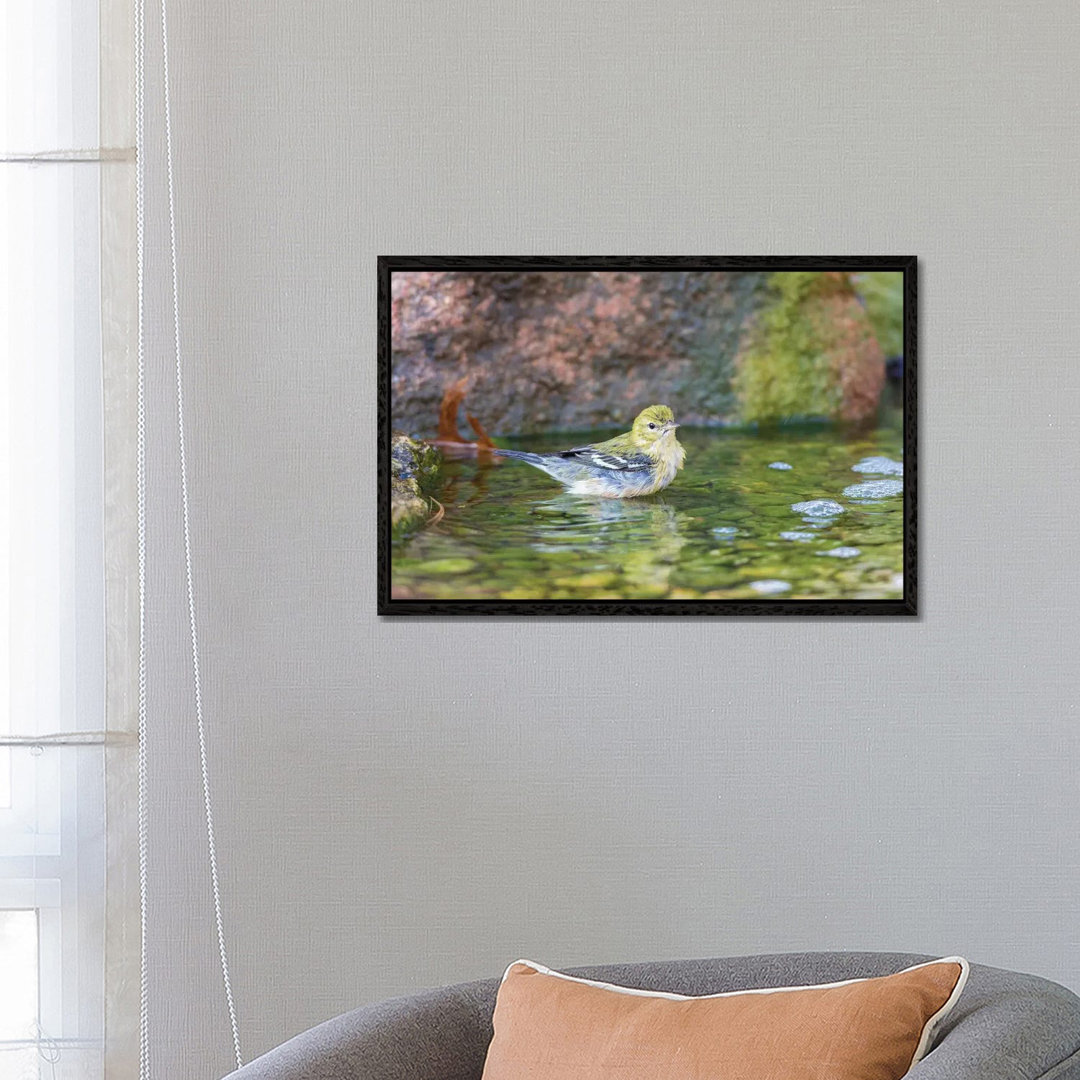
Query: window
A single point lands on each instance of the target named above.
(52, 579)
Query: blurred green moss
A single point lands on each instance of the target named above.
(785, 372)
(882, 292)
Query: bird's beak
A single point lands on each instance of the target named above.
(669, 426)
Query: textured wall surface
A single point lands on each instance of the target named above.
(721, 787)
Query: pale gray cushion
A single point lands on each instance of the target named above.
(1006, 1026)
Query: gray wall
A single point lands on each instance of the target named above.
(402, 804)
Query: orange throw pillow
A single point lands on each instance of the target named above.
(550, 1026)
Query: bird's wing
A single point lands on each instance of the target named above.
(607, 459)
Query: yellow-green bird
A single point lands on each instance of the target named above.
(641, 461)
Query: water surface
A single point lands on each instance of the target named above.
(807, 512)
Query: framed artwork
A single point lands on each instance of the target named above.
(647, 436)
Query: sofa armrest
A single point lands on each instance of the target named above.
(1007, 1026)
(441, 1034)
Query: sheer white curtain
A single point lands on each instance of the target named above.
(54, 200)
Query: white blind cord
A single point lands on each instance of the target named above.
(140, 453)
(140, 199)
(207, 803)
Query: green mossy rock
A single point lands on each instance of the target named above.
(810, 352)
(414, 466)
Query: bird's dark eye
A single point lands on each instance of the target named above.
(652, 427)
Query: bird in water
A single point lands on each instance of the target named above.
(641, 461)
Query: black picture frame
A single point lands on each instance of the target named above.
(907, 605)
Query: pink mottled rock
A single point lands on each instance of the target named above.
(575, 350)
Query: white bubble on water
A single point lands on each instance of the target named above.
(875, 489)
(770, 586)
(842, 552)
(818, 508)
(881, 465)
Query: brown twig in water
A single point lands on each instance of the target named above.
(449, 435)
(437, 516)
(482, 437)
(452, 398)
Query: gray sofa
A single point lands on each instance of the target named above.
(1006, 1026)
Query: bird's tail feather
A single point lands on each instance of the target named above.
(524, 455)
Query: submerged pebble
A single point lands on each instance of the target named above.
(599, 579)
(450, 565)
(770, 586)
(818, 508)
(842, 552)
(882, 465)
(780, 465)
(798, 536)
(874, 489)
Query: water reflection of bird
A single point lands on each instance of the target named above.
(564, 512)
(641, 461)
